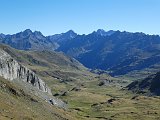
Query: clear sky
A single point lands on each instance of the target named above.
(82, 16)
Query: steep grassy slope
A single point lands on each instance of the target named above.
(44, 58)
(18, 104)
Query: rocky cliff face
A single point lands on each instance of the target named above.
(10, 69)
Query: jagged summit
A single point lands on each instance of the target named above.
(102, 32)
(28, 40)
(2, 36)
(69, 34)
(27, 32)
(39, 36)
(110, 32)
(63, 37)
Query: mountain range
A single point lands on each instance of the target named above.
(103, 75)
(117, 52)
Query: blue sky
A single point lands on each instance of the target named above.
(82, 16)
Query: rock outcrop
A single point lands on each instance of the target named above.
(10, 69)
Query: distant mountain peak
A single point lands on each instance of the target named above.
(38, 33)
(70, 31)
(71, 34)
(27, 32)
(2, 35)
(110, 32)
(102, 32)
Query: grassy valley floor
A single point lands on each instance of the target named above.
(111, 103)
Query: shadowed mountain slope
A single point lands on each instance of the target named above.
(150, 85)
(119, 52)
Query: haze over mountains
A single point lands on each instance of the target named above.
(117, 52)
